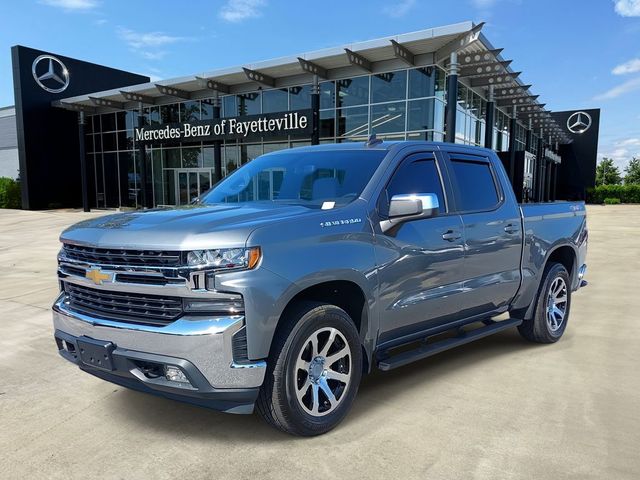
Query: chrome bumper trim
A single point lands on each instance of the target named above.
(204, 342)
(186, 325)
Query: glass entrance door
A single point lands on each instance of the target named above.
(190, 183)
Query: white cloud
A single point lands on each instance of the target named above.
(238, 10)
(148, 44)
(145, 40)
(627, 8)
(621, 151)
(72, 5)
(152, 77)
(152, 55)
(631, 66)
(483, 4)
(619, 90)
(399, 9)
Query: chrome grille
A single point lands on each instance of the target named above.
(127, 307)
(115, 256)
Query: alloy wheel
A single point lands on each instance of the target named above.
(322, 371)
(556, 304)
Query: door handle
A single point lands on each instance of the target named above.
(511, 228)
(451, 235)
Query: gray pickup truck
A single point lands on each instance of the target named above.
(307, 268)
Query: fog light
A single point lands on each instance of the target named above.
(174, 374)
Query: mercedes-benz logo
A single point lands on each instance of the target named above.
(50, 73)
(579, 122)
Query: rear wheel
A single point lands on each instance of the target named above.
(314, 370)
(553, 304)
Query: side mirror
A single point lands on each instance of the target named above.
(410, 206)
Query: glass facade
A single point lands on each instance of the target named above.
(396, 105)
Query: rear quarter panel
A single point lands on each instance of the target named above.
(548, 226)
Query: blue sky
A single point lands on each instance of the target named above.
(575, 53)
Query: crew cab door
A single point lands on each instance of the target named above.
(420, 264)
(492, 231)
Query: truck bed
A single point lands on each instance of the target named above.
(547, 226)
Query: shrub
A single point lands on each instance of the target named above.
(10, 196)
(625, 193)
(611, 201)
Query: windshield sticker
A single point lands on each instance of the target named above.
(346, 221)
(328, 205)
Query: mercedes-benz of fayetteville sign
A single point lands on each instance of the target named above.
(50, 73)
(295, 123)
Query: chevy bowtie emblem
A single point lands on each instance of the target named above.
(97, 276)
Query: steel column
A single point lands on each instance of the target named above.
(217, 145)
(142, 155)
(490, 118)
(539, 169)
(547, 176)
(83, 162)
(315, 108)
(452, 99)
(528, 138)
(512, 144)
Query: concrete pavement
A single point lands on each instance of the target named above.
(497, 408)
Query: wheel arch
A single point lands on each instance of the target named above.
(348, 294)
(566, 255)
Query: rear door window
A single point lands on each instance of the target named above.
(476, 186)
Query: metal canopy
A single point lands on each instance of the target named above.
(138, 97)
(358, 60)
(312, 68)
(480, 58)
(480, 65)
(73, 106)
(173, 92)
(259, 77)
(403, 53)
(210, 84)
(105, 102)
(511, 92)
(517, 101)
(486, 70)
(505, 79)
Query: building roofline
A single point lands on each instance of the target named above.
(430, 33)
(480, 65)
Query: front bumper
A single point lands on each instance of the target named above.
(201, 348)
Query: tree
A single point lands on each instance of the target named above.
(632, 172)
(607, 173)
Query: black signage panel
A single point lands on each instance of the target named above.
(577, 172)
(295, 123)
(48, 145)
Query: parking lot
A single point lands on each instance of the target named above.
(497, 408)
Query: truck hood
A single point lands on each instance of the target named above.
(184, 228)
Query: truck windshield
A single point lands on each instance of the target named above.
(307, 178)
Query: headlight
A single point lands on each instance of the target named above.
(225, 258)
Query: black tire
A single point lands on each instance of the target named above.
(278, 402)
(541, 328)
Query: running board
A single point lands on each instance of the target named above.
(425, 351)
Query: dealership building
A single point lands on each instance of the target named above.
(93, 136)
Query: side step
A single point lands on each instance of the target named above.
(425, 351)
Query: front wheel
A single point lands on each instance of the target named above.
(553, 304)
(314, 370)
